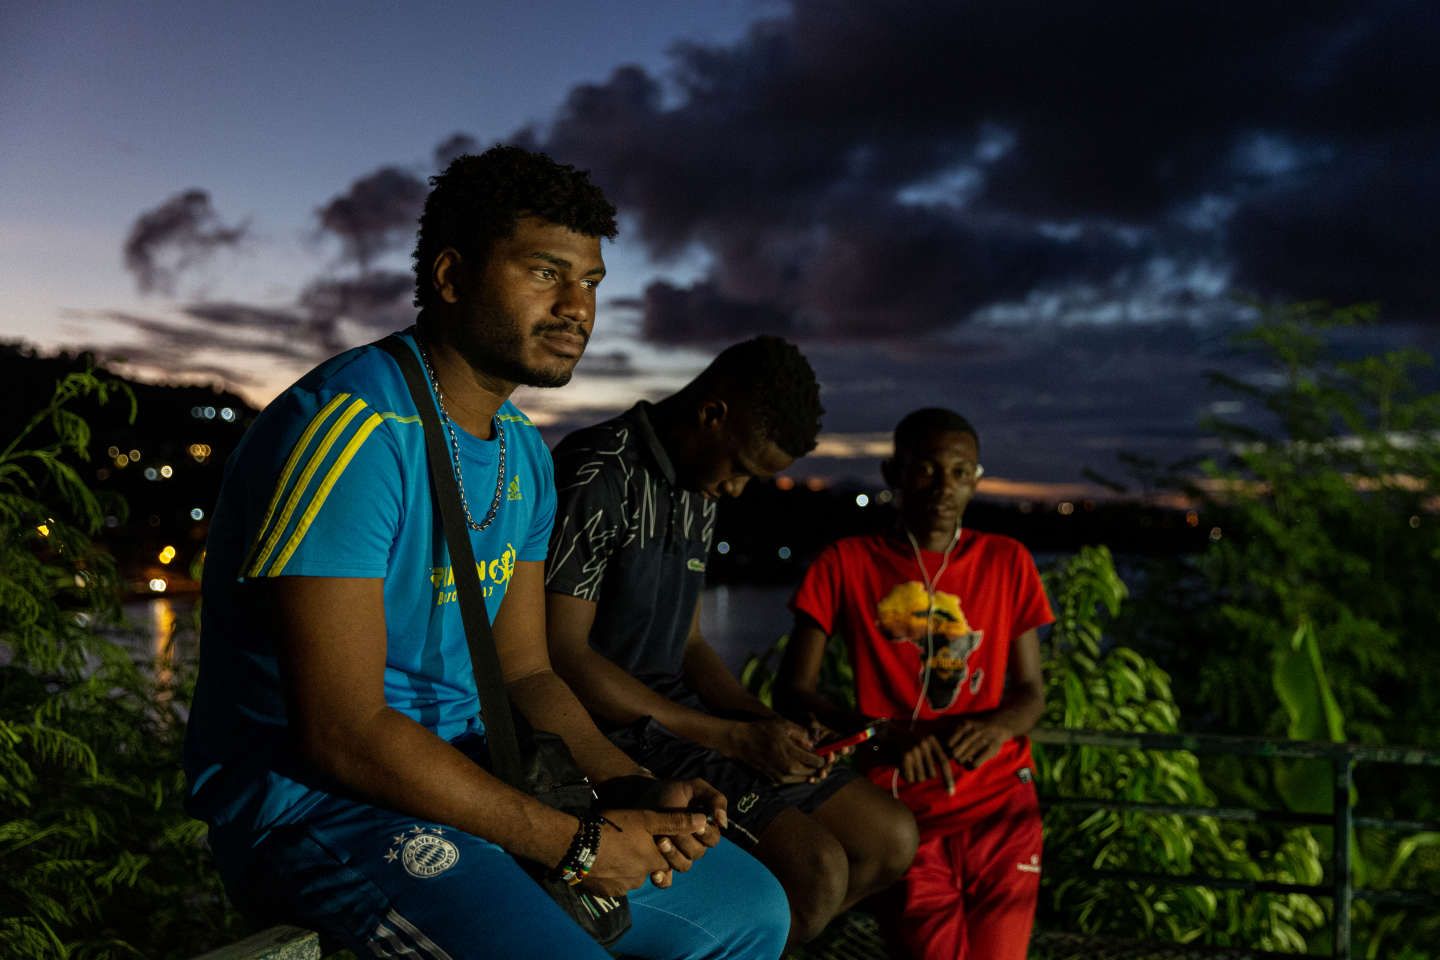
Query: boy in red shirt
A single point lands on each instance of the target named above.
(940, 623)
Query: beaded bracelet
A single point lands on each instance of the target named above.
(584, 847)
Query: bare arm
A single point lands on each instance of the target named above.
(619, 698)
(797, 688)
(707, 675)
(979, 737)
(331, 645)
(534, 687)
(607, 690)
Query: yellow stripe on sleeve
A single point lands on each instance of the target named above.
(318, 501)
(290, 463)
(298, 492)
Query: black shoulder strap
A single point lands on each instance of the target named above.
(484, 661)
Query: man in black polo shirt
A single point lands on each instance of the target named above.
(636, 514)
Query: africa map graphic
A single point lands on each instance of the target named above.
(902, 616)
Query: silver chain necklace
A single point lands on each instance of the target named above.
(455, 448)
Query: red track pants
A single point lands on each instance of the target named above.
(970, 895)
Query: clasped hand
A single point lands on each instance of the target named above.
(636, 845)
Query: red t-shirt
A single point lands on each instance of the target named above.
(871, 590)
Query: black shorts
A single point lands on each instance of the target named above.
(754, 799)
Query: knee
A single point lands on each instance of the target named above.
(886, 848)
(901, 838)
(818, 889)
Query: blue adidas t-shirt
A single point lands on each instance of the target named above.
(332, 481)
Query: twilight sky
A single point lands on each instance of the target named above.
(1039, 213)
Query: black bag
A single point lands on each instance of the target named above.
(551, 776)
(535, 761)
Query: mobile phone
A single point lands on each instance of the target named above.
(827, 747)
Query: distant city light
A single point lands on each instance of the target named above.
(197, 514)
(1215, 533)
(227, 414)
(884, 496)
(151, 473)
(209, 413)
(112, 521)
(1414, 523)
(134, 456)
(167, 554)
(862, 500)
(197, 412)
(158, 585)
(112, 452)
(167, 471)
(783, 553)
(1065, 508)
(784, 483)
(1192, 519)
(43, 530)
(122, 461)
(723, 547)
(815, 483)
(199, 451)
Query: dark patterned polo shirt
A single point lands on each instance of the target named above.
(627, 538)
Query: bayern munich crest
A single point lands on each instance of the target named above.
(423, 854)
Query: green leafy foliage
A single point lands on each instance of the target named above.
(1312, 615)
(99, 859)
(1330, 538)
(1094, 685)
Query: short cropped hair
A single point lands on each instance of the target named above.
(774, 382)
(927, 421)
(478, 199)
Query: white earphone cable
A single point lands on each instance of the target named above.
(931, 583)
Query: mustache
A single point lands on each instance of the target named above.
(575, 328)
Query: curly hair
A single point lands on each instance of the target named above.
(777, 388)
(478, 198)
(930, 420)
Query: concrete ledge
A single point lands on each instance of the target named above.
(276, 943)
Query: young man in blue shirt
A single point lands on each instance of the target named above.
(334, 738)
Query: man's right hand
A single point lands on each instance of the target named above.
(629, 854)
(776, 747)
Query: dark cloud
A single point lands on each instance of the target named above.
(331, 315)
(338, 311)
(174, 236)
(1366, 232)
(377, 212)
(175, 346)
(872, 169)
(701, 314)
(455, 145)
(1049, 400)
(245, 316)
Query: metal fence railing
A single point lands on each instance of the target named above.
(1342, 819)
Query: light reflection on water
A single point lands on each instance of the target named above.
(162, 634)
(159, 632)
